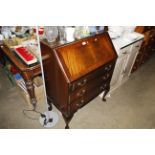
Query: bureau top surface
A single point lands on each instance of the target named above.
(83, 56)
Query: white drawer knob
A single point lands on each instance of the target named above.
(95, 39)
(84, 43)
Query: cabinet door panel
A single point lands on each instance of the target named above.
(117, 71)
(125, 51)
(132, 57)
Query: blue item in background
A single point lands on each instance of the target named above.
(96, 29)
(100, 29)
(17, 76)
(92, 29)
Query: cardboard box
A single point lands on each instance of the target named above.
(39, 92)
(38, 88)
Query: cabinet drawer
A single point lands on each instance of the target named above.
(137, 45)
(87, 97)
(91, 85)
(125, 50)
(103, 71)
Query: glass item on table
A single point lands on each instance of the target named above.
(21, 31)
(6, 32)
(96, 29)
(77, 33)
(92, 30)
(62, 34)
(70, 33)
(100, 29)
(81, 32)
(51, 33)
(116, 31)
(86, 31)
(1, 37)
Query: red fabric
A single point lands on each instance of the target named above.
(13, 70)
(25, 53)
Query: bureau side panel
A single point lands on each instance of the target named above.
(56, 85)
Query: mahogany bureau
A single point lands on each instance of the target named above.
(77, 72)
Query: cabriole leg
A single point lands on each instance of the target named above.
(67, 120)
(105, 93)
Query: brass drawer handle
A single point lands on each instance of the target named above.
(95, 39)
(103, 87)
(108, 67)
(80, 103)
(82, 83)
(84, 43)
(81, 93)
(105, 77)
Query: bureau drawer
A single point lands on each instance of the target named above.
(79, 103)
(103, 71)
(97, 82)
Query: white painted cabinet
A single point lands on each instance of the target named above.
(124, 64)
(134, 52)
(117, 71)
(130, 60)
(127, 51)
